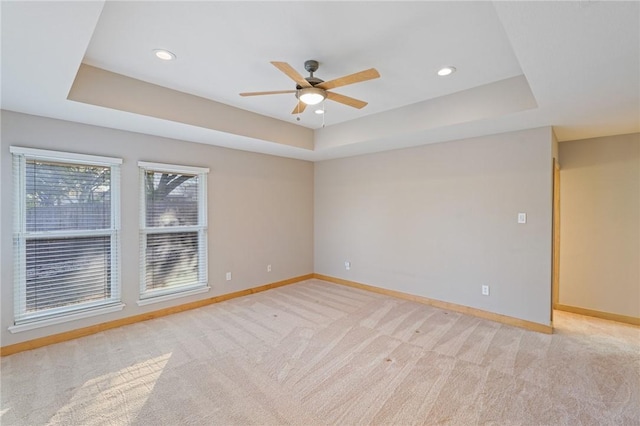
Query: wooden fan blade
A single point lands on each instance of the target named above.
(299, 108)
(365, 75)
(291, 73)
(275, 92)
(352, 102)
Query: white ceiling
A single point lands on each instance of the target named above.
(578, 62)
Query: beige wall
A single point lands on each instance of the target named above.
(600, 224)
(437, 220)
(260, 210)
(440, 221)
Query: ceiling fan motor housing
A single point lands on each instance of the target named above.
(312, 81)
(311, 66)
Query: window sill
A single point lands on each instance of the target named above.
(66, 318)
(171, 296)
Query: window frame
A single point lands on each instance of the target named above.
(22, 319)
(159, 295)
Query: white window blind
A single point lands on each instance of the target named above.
(66, 233)
(173, 224)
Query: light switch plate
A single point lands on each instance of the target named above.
(522, 218)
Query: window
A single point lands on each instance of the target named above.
(173, 237)
(66, 236)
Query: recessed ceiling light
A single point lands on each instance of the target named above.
(319, 111)
(165, 55)
(443, 72)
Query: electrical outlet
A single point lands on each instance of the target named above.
(228, 276)
(485, 290)
(268, 268)
(347, 265)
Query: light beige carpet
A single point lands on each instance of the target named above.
(317, 353)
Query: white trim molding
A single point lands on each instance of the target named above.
(66, 318)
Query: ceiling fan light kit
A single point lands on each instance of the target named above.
(312, 90)
(311, 95)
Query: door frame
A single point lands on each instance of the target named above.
(555, 249)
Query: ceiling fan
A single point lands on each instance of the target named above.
(312, 90)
